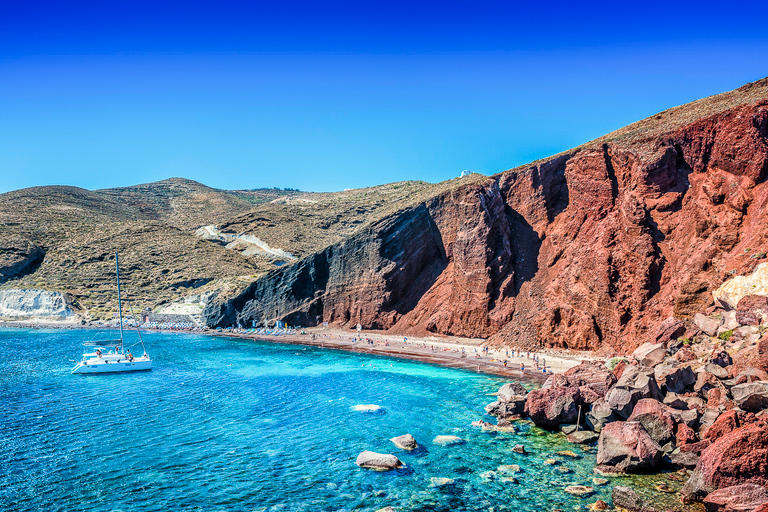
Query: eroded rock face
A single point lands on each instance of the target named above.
(626, 446)
(738, 457)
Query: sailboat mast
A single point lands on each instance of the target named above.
(119, 303)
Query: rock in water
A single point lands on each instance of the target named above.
(369, 408)
(405, 442)
(626, 446)
(580, 490)
(552, 407)
(583, 437)
(511, 389)
(378, 461)
(447, 440)
(440, 481)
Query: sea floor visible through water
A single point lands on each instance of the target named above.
(233, 424)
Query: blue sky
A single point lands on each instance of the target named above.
(333, 95)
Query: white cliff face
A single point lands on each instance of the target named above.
(34, 305)
(192, 306)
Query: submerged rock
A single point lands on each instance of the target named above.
(440, 481)
(378, 461)
(369, 408)
(580, 490)
(447, 440)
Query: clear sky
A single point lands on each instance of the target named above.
(331, 95)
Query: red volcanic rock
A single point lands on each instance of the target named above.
(685, 435)
(747, 318)
(674, 378)
(684, 355)
(656, 419)
(669, 330)
(626, 446)
(736, 458)
(591, 377)
(737, 498)
(716, 398)
(724, 424)
(618, 370)
(756, 305)
(551, 407)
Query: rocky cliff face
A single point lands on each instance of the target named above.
(591, 248)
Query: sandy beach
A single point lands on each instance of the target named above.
(452, 352)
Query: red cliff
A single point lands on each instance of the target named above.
(594, 247)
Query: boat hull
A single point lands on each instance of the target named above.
(88, 367)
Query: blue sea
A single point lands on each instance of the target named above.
(233, 424)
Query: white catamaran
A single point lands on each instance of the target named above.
(109, 355)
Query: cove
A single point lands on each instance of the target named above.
(232, 424)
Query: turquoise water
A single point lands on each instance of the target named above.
(229, 424)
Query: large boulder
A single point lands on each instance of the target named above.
(751, 396)
(650, 354)
(635, 384)
(736, 458)
(378, 461)
(737, 498)
(599, 415)
(724, 424)
(674, 378)
(507, 409)
(656, 418)
(627, 447)
(708, 325)
(549, 408)
(511, 389)
(588, 374)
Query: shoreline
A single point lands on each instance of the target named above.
(446, 351)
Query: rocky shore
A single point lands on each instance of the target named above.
(696, 399)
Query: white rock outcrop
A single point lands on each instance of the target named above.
(34, 305)
(734, 289)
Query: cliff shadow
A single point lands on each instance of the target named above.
(525, 245)
(415, 246)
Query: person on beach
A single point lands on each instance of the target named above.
(522, 367)
(505, 363)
